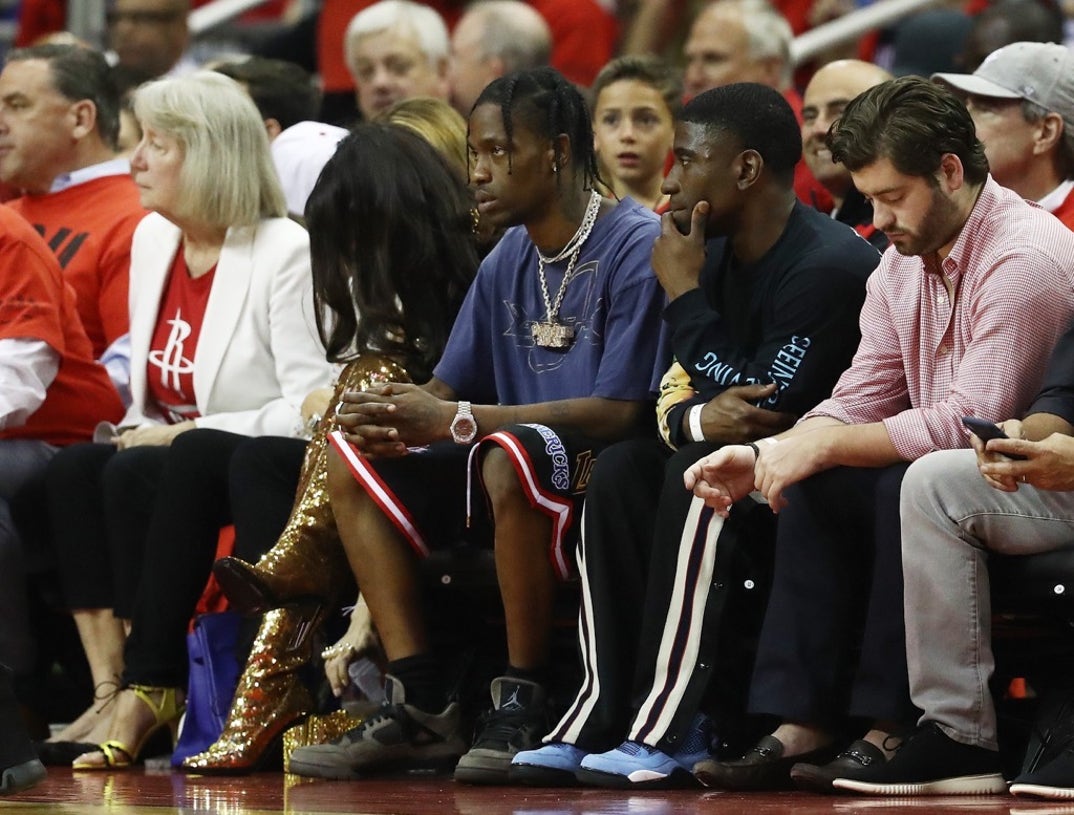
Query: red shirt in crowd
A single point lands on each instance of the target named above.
(89, 227)
(36, 303)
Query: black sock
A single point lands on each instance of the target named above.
(423, 679)
(538, 676)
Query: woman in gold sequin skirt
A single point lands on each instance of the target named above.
(391, 236)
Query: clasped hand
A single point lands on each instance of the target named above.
(387, 419)
(152, 435)
(734, 471)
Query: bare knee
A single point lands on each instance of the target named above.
(341, 485)
(501, 481)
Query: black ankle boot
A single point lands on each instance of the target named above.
(19, 767)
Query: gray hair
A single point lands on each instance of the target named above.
(769, 33)
(1033, 112)
(227, 178)
(514, 32)
(426, 24)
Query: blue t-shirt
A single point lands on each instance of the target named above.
(614, 304)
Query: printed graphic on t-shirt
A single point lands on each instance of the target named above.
(580, 305)
(64, 242)
(171, 369)
(782, 370)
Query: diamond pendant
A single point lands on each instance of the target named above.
(552, 335)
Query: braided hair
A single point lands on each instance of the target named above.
(548, 105)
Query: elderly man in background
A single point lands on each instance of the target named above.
(494, 38)
(738, 41)
(396, 49)
(1021, 99)
(747, 41)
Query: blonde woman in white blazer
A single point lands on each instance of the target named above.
(223, 336)
(258, 355)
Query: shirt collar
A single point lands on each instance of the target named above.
(1056, 197)
(114, 166)
(982, 207)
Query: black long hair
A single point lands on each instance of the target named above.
(392, 248)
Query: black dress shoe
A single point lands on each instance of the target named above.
(63, 753)
(762, 768)
(19, 766)
(854, 762)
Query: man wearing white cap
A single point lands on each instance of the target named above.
(300, 153)
(1021, 99)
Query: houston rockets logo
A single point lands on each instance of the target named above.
(171, 360)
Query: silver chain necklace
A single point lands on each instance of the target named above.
(550, 333)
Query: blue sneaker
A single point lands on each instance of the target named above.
(550, 765)
(638, 766)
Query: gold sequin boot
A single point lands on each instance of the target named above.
(307, 561)
(269, 698)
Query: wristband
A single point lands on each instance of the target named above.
(697, 433)
(756, 450)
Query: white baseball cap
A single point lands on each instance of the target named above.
(1041, 72)
(300, 153)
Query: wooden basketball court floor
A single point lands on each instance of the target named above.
(146, 792)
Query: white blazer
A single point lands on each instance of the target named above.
(258, 354)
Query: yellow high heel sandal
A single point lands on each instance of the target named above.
(166, 713)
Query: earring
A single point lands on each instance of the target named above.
(555, 168)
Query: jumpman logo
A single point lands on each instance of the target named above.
(513, 702)
(171, 360)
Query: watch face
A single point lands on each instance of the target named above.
(463, 429)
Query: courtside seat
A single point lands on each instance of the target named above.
(1039, 586)
(1033, 641)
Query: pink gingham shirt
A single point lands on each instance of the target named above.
(924, 361)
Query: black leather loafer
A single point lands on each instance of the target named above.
(854, 762)
(762, 768)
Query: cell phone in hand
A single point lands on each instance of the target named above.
(986, 431)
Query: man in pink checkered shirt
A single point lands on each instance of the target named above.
(959, 320)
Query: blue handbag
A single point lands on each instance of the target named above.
(214, 673)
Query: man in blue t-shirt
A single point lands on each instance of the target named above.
(552, 357)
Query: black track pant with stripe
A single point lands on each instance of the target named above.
(660, 609)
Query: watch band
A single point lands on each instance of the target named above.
(464, 425)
